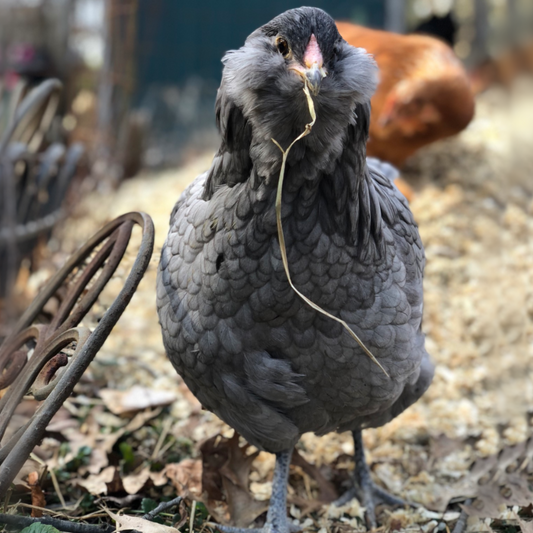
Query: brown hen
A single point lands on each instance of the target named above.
(424, 92)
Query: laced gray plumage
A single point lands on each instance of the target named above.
(246, 345)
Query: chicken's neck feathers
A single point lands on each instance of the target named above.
(326, 178)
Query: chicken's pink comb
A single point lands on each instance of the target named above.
(312, 53)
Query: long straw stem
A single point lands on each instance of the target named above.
(281, 236)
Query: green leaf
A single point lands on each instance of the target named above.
(82, 458)
(127, 453)
(147, 505)
(87, 502)
(201, 511)
(64, 448)
(37, 527)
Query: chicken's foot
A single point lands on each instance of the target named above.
(364, 489)
(277, 521)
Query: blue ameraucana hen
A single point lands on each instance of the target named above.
(244, 342)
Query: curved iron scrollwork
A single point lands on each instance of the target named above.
(47, 357)
(34, 177)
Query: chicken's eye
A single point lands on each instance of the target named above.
(282, 46)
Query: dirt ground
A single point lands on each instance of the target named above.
(475, 212)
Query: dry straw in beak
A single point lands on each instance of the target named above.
(281, 236)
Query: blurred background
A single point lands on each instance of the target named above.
(140, 76)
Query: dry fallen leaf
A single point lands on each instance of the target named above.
(135, 399)
(137, 422)
(327, 492)
(135, 482)
(225, 477)
(220, 480)
(186, 476)
(97, 484)
(526, 527)
(140, 419)
(125, 522)
(500, 479)
(441, 446)
(29, 466)
(158, 478)
(98, 460)
(243, 507)
(61, 421)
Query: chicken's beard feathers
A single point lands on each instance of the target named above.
(258, 81)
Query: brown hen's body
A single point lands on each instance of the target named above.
(424, 93)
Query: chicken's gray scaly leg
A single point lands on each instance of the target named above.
(277, 521)
(364, 489)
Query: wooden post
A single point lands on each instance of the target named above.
(395, 19)
(481, 25)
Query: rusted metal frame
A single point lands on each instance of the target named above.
(23, 229)
(13, 345)
(39, 180)
(59, 187)
(8, 220)
(18, 522)
(116, 252)
(15, 98)
(57, 280)
(25, 232)
(40, 357)
(26, 378)
(67, 170)
(16, 451)
(67, 304)
(30, 115)
(10, 155)
(12, 364)
(16, 154)
(19, 180)
(70, 314)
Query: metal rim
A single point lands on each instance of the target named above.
(62, 330)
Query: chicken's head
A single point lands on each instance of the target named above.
(264, 80)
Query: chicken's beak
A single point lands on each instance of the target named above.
(314, 76)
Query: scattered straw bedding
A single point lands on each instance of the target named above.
(474, 208)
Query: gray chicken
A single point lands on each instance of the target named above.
(249, 348)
